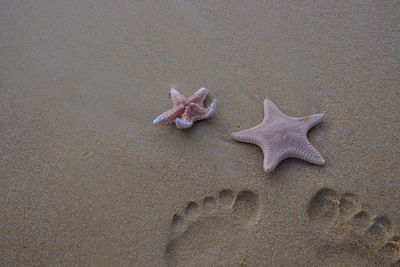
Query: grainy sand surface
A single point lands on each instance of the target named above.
(85, 179)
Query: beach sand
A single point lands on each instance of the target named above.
(86, 179)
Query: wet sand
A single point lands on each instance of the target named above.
(86, 179)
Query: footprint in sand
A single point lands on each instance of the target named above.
(351, 230)
(214, 232)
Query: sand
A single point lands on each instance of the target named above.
(86, 179)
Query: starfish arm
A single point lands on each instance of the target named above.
(167, 116)
(251, 136)
(271, 161)
(305, 151)
(183, 124)
(210, 111)
(199, 96)
(271, 110)
(309, 122)
(177, 98)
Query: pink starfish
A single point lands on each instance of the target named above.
(187, 110)
(280, 137)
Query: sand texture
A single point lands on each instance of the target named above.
(87, 180)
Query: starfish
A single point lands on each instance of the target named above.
(280, 136)
(187, 110)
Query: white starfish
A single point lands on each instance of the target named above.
(280, 137)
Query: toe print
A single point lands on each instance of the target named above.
(324, 205)
(350, 230)
(349, 205)
(246, 207)
(361, 221)
(203, 235)
(192, 210)
(209, 205)
(177, 224)
(226, 198)
(380, 231)
(391, 250)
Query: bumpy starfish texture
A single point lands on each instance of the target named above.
(187, 110)
(280, 137)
